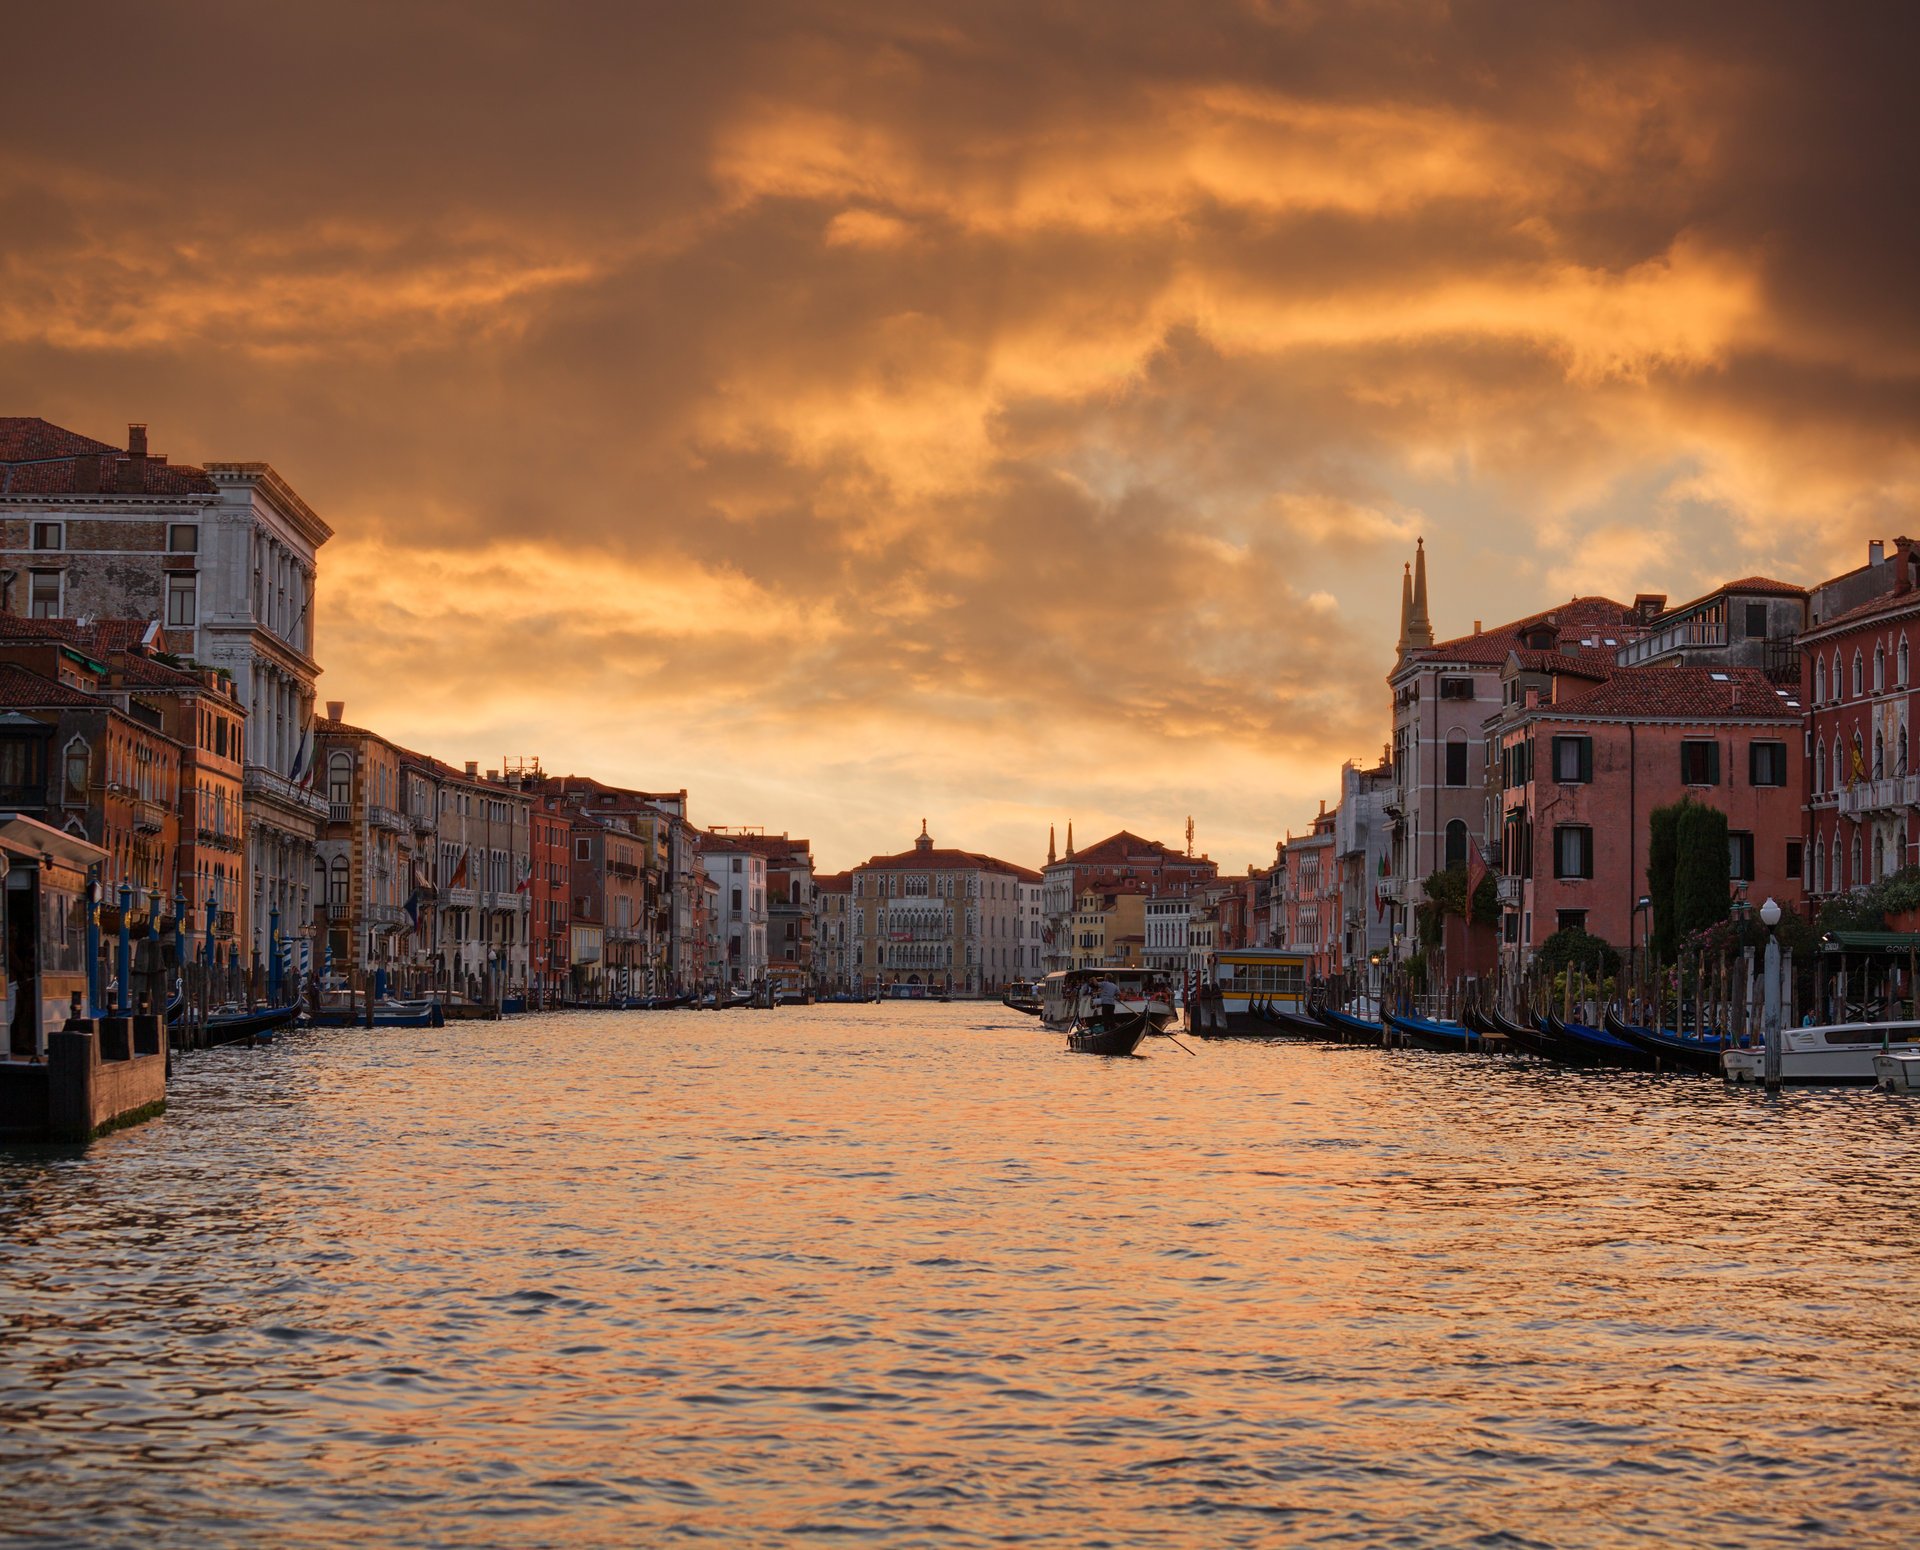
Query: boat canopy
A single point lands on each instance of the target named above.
(1871, 942)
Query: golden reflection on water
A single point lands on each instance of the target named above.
(917, 1276)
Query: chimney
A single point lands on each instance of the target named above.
(1648, 606)
(336, 710)
(473, 769)
(1476, 626)
(86, 474)
(1903, 565)
(136, 441)
(1876, 552)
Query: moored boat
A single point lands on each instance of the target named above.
(1587, 1045)
(1669, 1046)
(1348, 1028)
(1829, 1055)
(1431, 1034)
(233, 1026)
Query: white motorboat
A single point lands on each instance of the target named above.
(1830, 1055)
(1897, 1073)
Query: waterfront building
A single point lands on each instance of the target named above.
(1859, 681)
(941, 918)
(790, 906)
(833, 936)
(1029, 928)
(200, 711)
(1109, 927)
(1312, 899)
(739, 872)
(472, 838)
(368, 906)
(105, 772)
(1585, 754)
(677, 942)
(1444, 693)
(550, 897)
(225, 556)
(1362, 851)
(1165, 918)
(1120, 858)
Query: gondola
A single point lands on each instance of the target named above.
(1285, 1024)
(232, 1027)
(1121, 1036)
(1596, 1047)
(386, 1014)
(1350, 1029)
(1522, 1036)
(1296, 1025)
(1426, 1033)
(1683, 1052)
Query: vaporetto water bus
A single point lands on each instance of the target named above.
(1246, 975)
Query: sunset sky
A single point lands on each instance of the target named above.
(997, 413)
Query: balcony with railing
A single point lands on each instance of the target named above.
(217, 839)
(1510, 889)
(385, 915)
(384, 818)
(262, 782)
(149, 817)
(339, 812)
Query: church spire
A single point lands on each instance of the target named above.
(1420, 626)
(1069, 839)
(1051, 857)
(1406, 607)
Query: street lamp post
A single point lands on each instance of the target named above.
(1770, 1014)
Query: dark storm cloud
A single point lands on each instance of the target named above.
(705, 387)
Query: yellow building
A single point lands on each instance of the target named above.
(1110, 929)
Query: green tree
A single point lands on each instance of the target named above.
(1661, 854)
(1701, 870)
(1577, 949)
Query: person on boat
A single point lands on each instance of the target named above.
(1108, 994)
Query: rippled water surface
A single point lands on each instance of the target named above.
(917, 1277)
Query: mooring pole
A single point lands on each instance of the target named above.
(1770, 1013)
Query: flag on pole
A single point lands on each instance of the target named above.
(459, 878)
(525, 882)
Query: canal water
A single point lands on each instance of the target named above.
(917, 1277)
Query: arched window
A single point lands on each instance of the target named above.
(1879, 667)
(1839, 683)
(1456, 844)
(1901, 749)
(337, 884)
(1820, 767)
(1879, 755)
(1900, 664)
(1820, 682)
(1818, 878)
(1857, 769)
(1857, 878)
(340, 779)
(1859, 674)
(76, 766)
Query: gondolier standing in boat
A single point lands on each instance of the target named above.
(1107, 994)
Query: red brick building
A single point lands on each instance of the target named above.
(1859, 683)
(550, 890)
(1585, 755)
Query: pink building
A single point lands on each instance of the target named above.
(1859, 676)
(1586, 752)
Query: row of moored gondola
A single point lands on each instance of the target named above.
(1616, 1042)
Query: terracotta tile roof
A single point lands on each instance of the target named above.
(1119, 849)
(1680, 692)
(768, 845)
(1886, 603)
(834, 882)
(28, 438)
(945, 861)
(1581, 662)
(39, 458)
(87, 635)
(1575, 619)
(22, 687)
